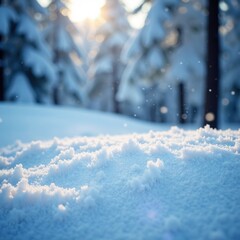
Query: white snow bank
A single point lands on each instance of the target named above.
(173, 184)
(28, 123)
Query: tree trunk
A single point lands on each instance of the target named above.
(213, 74)
(182, 112)
(116, 107)
(1, 68)
(55, 91)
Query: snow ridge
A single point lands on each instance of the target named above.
(168, 185)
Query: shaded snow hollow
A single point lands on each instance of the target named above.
(166, 185)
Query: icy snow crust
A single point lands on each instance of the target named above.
(173, 184)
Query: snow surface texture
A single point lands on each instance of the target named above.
(28, 123)
(172, 184)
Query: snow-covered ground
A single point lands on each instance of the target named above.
(28, 123)
(102, 181)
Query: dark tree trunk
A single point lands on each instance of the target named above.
(116, 107)
(213, 75)
(2, 74)
(1, 68)
(182, 111)
(57, 57)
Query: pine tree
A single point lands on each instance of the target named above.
(187, 60)
(27, 60)
(230, 84)
(113, 33)
(147, 60)
(59, 32)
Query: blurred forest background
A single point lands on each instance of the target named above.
(158, 72)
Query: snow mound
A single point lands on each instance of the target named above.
(174, 184)
(27, 123)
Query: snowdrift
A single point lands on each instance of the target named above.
(171, 184)
(29, 122)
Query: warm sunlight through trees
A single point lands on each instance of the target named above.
(147, 59)
(81, 9)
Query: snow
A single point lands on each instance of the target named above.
(39, 64)
(156, 58)
(71, 76)
(64, 42)
(37, 7)
(104, 65)
(128, 92)
(20, 90)
(28, 29)
(30, 123)
(103, 181)
(68, 87)
(144, 57)
(117, 40)
(7, 15)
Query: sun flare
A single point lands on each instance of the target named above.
(85, 9)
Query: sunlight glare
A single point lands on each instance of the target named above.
(81, 9)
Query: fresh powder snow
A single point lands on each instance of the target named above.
(108, 177)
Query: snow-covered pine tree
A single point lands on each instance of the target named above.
(230, 84)
(68, 56)
(147, 62)
(107, 67)
(86, 41)
(28, 71)
(187, 61)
